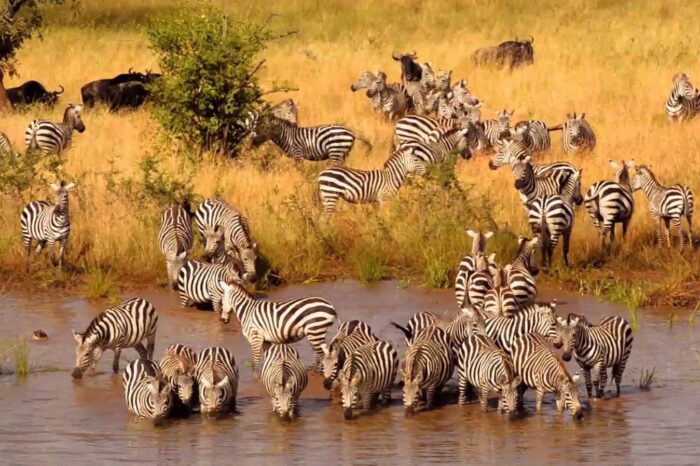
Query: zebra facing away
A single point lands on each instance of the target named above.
(533, 134)
(217, 380)
(684, 101)
(199, 282)
(542, 369)
(177, 368)
(467, 266)
(350, 336)
(611, 202)
(278, 321)
(480, 281)
(5, 146)
(521, 276)
(597, 346)
(577, 135)
(368, 372)
(48, 137)
(174, 237)
(47, 223)
(500, 299)
(362, 186)
(123, 326)
(284, 377)
(667, 203)
(147, 394)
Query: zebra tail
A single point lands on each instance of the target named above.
(33, 144)
(404, 330)
(556, 128)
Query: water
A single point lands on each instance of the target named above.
(49, 418)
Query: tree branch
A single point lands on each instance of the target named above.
(13, 7)
(280, 89)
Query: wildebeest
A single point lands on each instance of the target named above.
(511, 53)
(130, 94)
(101, 90)
(32, 92)
(410, 70)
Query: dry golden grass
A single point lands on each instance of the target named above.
(614, 62)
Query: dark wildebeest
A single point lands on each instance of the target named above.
(32, 92)
(410, 70)
(131, 94)
(98, 91)
(512, 53)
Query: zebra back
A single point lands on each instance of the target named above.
(428, 365)
(350, 336)
(284, 377)
(145, 393)
(532, 318)
(217, 379)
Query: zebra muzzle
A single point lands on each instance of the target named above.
(327, 383)
(77, 373)
(410, 411)
(347, 414)
(286, 417)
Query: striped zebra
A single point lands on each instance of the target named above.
(684, 101)
(5, 145)
(48, 137)
(667, 203)
(199, 282)
(611, 202)
(437, 100)
(480, 281)
(147, 394)
(286, 110)
(278, 321)
(421, 128)
(284, 377)
(513, 152)
(217, 380)
(597, 346)
(467, 266)
(498, 129)
(350, 336)
(454, 140)
(577, 135)
(368, 372)
(428, 365)
(174, 237)
(532, 186)
(392, 101)
(500, 299)
(418, 321)
(534, 134)
(47, 223)
(123, 326)
(552, 217)
(542, 369)
(522, 272)
(457, 329)
(482, 365)
(532, 318)
(367, 186)
(177, 368)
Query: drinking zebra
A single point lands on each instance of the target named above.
(284, 377)
(278, 321)
(454, 140)
(367, 186)
(534, 134)
(217, 380)
(577, 136)
(123, 326)
(47, 223)
(177, 368)
(199, 282)
(542, 369)
(174, 237)
(368, 372)
(418, 321)
(532, 318)
(532, 186)
(47, 137)
(482, 365)
(684, 101)
(467, 266)
(500, 299)
(667, 203)
(350, 336)
(611, 202)
(392, 102)
(498, 129)
(146, 394)
(521, 275)
(5, 145)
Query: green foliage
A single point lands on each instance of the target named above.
(153, 185)
(209, 82)
(20, 174)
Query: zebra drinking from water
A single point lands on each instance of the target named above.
(217, 380)
(147, 394)
(284, 377)
(48, 137)
(684, 101)
(577, 135)
(123, 326)
(531, 318)
(174, 237)
(350, 336)
(177, 368)
(521, 275)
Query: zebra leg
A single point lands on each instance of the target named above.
(539, 395)
(143, 353)
(587, 378)
(117, 354)
(367, 401)
(667, 231)
(386, 397)
(430, 397)
(28, 248)
(61, 252)
(463, 387)
(256, 344)
(150, 346)
(625, 225)
(565, 245)
(484, 399)
(689, 218)
(522, 388)
(559, 401)
(602, 379)
(316, 340)
(329, 200)
(659, 232)
(617, 371)
(679, 232)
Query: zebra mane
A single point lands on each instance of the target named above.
(412, 369)
(242, 288)
(647, 171)
(93, 325)
(581, 319)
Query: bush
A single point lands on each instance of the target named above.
(209, 82)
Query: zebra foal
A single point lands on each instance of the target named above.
(684, 101)
(177, 368)
(284, 377)
(147, 394)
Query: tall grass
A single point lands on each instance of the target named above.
(17, 351)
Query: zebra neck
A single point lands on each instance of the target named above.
(395, 172)
(285, 137)
(652, 189)
(583, 339)
(241, 305)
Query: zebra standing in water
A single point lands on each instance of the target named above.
(684, 101)
(350, 336)
(605, 344)
(47, 223)
(174, 237)
(457, 329)
(119, 327)
(497, 130)
(48, 137)
(669, 203)
(146, 394)
(577, 136)
(454, 140)
(217, 380)
(521, 275)
(532, 318)
(392, 101)
(467, 266)
(368, 372)
(367, 186)
(534, 134)
(284, 377)
(500, 299)
(611, 202)
(5, 146)
(480, 281)
(177, 367)
(200, 282)
(542, 369)
(278, 322)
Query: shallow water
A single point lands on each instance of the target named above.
(49, 418)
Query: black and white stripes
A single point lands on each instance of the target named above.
(147, 394)
(684, 101)
(47, 137)
(5, 145)
(174, 237)
(577, 135)
(217, 379)
(284, 377)
(350, 336)
(177, 368)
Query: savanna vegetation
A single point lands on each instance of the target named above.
(612, 60)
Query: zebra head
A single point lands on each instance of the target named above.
(62, 191)
(521, 132)
(213, 396)
(349, 380)
(72, 117)
(503, 119)
(545, 323)
(173, 263)
(522, 173)
(443, 80)
(428, 79)
(185, 388)
(568, 395)
(248, 255)
(576, 125)
(86, 354)
(330, 363)
(472, 112)
(266, 127)
(378, 85)
(622, 175)
(566, 334)
(412, 390)
(642, 176)
(365, 80)
(232, 294)
(509, 393)
(509, 153)
(683, 88)
(286, 110)
(573, 187)
(161, 400)
(527, 253)
(478, 240)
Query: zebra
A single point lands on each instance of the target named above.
(368, 372)
(436, 97)
(481, 364)
(217, 380)
(480, 281)
(552, 216)
(174, 237)
(48, 137)
(315, 143)
(542, 369)
(457, 329)
(392, 101)
(177, 368)
(513, 152)
(522, 272)
(286, 110)
(146, 394)
(467, 265)
(350, 336)
(284, 377)
(611, 202)
(500, 299)
(428, 365)
(278, 321)
(123, 326)
(416, 323)
(498, 129)
(532, 186)
(454, 140)
(367, 186)
(667, 203)
(531, 318)
(684, 101)
(421, 128)
(598, 346)
(534, 134)
(5, 145)
(199, 282)
(47, 223)
(577, 135)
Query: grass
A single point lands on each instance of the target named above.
(16, 350)
(646, 379)
(100, 284)
(619, 75)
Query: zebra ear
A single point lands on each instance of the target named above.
(614, 165)
(222, 383)
(182, 255)
(582, 117)
(255, 247)
(54, 186)
(528, 159)
(629, 163)
(69, 186)
(324, 348)
(153, 387)
(516, 381)
(471, 233)
(575, 379)
(488, 234)
(492, 257)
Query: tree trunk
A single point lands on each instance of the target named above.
(5, 104)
